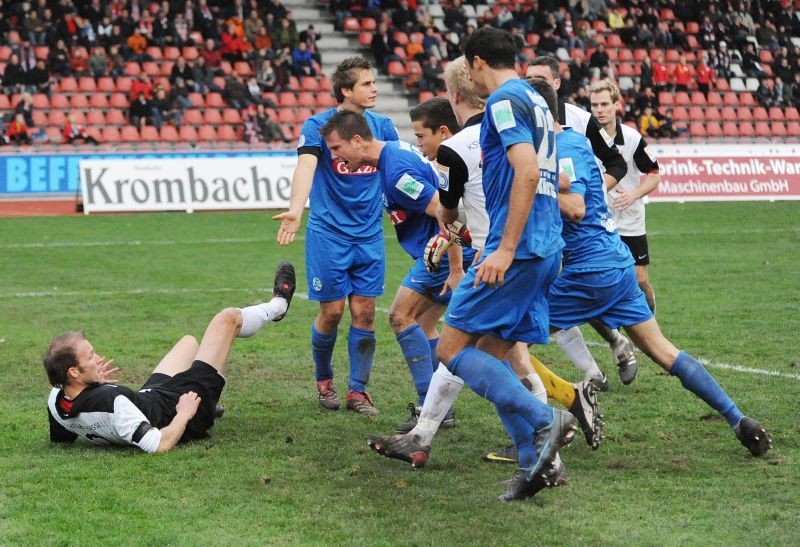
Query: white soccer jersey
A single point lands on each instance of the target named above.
(460, 178)
(576, 118)
(104, 415)
(631, 221)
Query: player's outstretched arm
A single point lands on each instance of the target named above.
(301, 188)
(186, 409)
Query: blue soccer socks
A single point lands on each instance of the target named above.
(416, 350)
(322, 353)
(361, 348)
(694, 377)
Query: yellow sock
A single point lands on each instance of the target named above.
(557, 388)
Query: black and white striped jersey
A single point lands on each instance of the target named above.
(105, 414)
(458, 163)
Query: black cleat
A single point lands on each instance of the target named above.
(509, 454)
(400, 447)
(753, 436)
(285, 284)
(586, 412)
(411, 423)
(522, 487)
(560, 432)
(600, 384)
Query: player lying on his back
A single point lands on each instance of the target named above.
(178, 401)
(408, 182)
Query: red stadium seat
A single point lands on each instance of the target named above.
(625, 69)
(713, 130)
(98, 100)
(326, 100)
(154, 52)
(351, 24)
(226, 133)
(400, 37)
(599, 26)
(149, 134)
(78, 117)
(760, 114)
(793, 129)
(765, 56)
(698, 99)
(171, 53)
(714, 99)
(730, 98)
(39, 118)
(625, 55)
(364, 38)
(40, 100)
(119, 100)
(744, 114)
(712, 114)
(368, 23)
(791, 114)
(225, 67)
(306, 98)
(730, 129)
(196, 99)
(187, 133)
(697, 114)
(665, 98)
(214, 99)
(78, 101)
(309, 83)
(778, 129)
(692, 27)
(639, 54)
(697, 129)
(212, 116)
(96, 117)
(302, 114)
(207, 134)
(124, 84)
(681, 97)
(60, 101)
(672, 56)
(115, 117)
(231, 116)
(193, 116)
(532, 39)
(614, 40)
(763, 129)
(746, 129)
(106, 84)
(168, 133)
(164, 69)
(5, 53)
(286, 115)
(87, 84)
(287, 98)
(396, 69)
(5, 104)
(243, 68)
(747, 99)
(129, 134)
(111, 134)
(68, 84)
(151, 69)
(132, 69)
(776, 114)
(190, 53)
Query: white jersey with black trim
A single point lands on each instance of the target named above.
(640, 161)
(576, 118)
(105, 416)
(461, 177)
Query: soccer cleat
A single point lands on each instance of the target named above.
(600, 384)
(586, 412)
(411, 423)
(753, 436)
(285, 284)
(327, 394)
(400, 447)
(509, 454)
(219, 411)
(560, 432)
(361, 402)
(625, 357)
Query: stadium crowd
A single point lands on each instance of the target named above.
(198, 70)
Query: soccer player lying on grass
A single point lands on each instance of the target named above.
(409, 185)
(598, 280)
(178, 401)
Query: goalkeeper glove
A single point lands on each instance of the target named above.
(435, 249)
(459, 233)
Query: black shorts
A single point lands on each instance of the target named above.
(160, 393)
(638, 247)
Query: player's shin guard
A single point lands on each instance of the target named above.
(694, 377)
(322, 353)
(442, 393)
(361, 348)
(493, 380)
(521, 434)
(557, 388)
(573, 344)
(416, 351)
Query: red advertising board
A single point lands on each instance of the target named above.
(727, 172)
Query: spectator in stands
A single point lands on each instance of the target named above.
(141, 86)
(236, 93)
(302, 61)
(285, 36)
(203, 77)
(547, 43)
(14, 77)
(25, 107)
(382, 46)
(738, 33)
(722, 61)
(682, 74)
(649, 126)
(116, 62)
(86, 34)
(179, 95)
(404, 18)
(615, 19)
(212, 55)
(180, 30)
(646, 76)
(704, 75)
(667, 126)
(182, 69)
(455, 18)
(662, 36)
(267, 129)
(17, 130)
(34, 29)
(310, 37)
(167, 108)
(98, 63)
(277, 9)
(39, 79)
(764, 94)
(163, 30)
(792, 93)
(266, 77)
(283, 68)
(252, 25)
(599, 61)
(660, 74)
(104, 31)
(137, 47)
(779, 92)
(141, 111)
(79, 61)
(750, 62)
(707, 37)
(432, 44)
(645, 98)
(597, 10)
(74, 133)
(26, 53)
(262, 40)
(432, 75)
(205, 20)
(415, 49)
(233, 48)
(67, 29)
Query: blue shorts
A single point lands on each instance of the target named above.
(517, 311)
(429, 284)
(612, 296)
(336, 269)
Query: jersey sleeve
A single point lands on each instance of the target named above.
(389, 130)
(132, 425)
(643, 160)
(310, 141)
(508, 117)
(606, 150)
(575, 170)
(453, 176)
(58, 433)
(408, 189)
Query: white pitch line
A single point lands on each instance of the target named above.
(304, 296)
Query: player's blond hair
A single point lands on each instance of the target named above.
(605, 85)
(456, 76)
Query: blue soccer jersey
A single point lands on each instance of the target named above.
(344, 204)
(592, 244)
(409, 183)
(516, 113)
